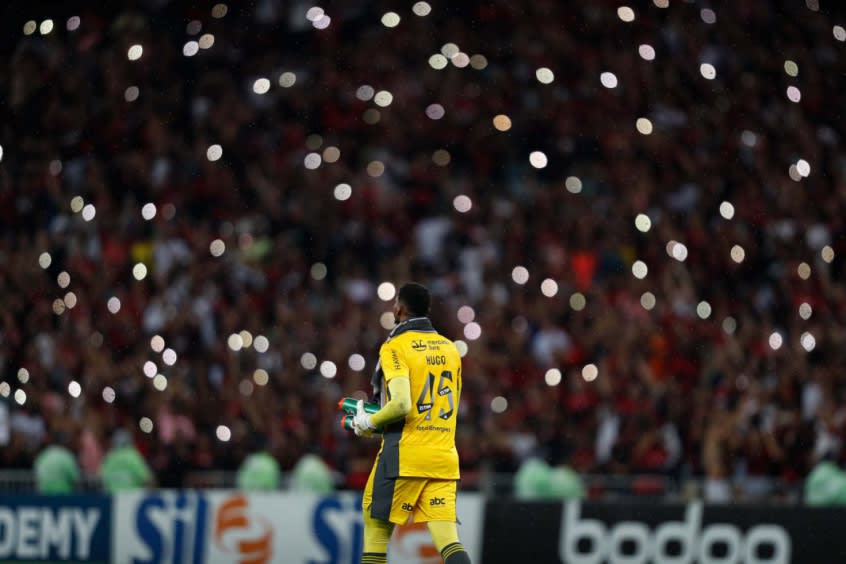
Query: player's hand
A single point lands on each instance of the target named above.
(362, 425)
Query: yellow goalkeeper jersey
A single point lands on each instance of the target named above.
(423, 444)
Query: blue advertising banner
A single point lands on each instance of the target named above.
(232, 527)
(73, 528)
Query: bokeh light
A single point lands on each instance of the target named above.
(134, 53)
(545, 75)
(223, 433)
(435, 111)
(390, 19)
(538, 159)
(109, 394)
(421, 8)
(646, 52)
(139, 271)
(608, 79)
(328, 369)
(639, 269)
(217, 247)
(552, 377)
(214, 152)
(462, 203)
(502, 122)
(160, 382)
(386, 291)
(626, 14)
(499, 404)
(261, 86)
(169, 355)
(573, 184)
(356, 362)
(157, 343)
(113, 305)
(235, 342)
(549, 288)
(148, 211)
(643, 223)
(644, 126)
(308, 361)
(261, 377)
(472, 331)
(261, 344)
(578, 301)
(465, 314)
(805, 310)
(146, 425)
(520, 275)
(342, 192)
(808, 341)
(647, 301)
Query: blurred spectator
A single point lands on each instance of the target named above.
(826, 485)
(311, 474)
(536, 480)
(56, 469)
(123, 466)
(259, 472)
(531, 480)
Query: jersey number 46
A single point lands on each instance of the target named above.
(426, 401)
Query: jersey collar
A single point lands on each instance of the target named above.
(417, 324)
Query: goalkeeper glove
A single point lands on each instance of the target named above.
(362, 425)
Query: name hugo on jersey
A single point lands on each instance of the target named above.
(436, 360)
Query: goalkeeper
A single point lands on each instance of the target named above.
(415, 473)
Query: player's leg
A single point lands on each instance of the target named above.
(377, 533)
(445, 536)
(436, 507)
(386, 502)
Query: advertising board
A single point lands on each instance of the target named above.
(641, 533)
(223, 527)
(55, 528)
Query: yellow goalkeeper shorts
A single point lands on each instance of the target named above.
(399, 500)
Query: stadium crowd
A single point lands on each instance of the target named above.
(280, 207)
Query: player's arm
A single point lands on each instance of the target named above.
(395, 370)
(398, 406)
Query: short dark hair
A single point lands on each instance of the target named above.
(416, 298)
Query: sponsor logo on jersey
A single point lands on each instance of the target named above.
(395, 359)
(407, 507)
(436, 501)
(418, 345)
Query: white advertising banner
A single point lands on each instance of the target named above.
(230, 527)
